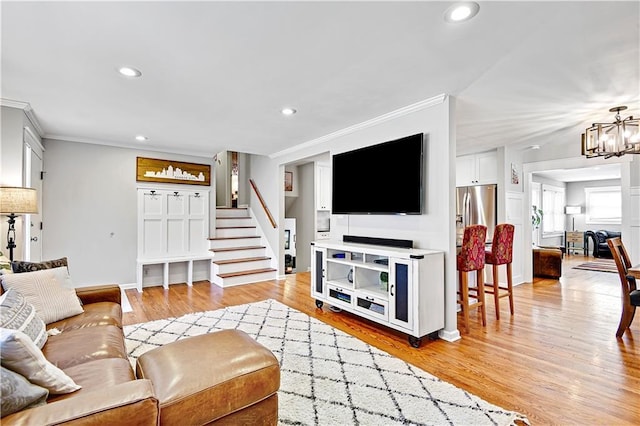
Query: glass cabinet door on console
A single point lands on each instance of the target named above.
(318, 268)
(400, 292)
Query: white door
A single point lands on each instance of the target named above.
(33, 222)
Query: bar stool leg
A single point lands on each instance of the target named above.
(496, 291)
(464, 292)
(510, 287)
(481, 299)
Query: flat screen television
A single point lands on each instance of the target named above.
(386, 178)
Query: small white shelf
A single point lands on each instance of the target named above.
(374, 292)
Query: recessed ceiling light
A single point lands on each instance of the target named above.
(535, 147)
(142, 138)
(288, 111)
(129, 72)
(462, 11)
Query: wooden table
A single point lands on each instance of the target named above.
(635, 271)
(575, 240)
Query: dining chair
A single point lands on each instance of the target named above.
(630, 294)
(501, 253)
(471, 258)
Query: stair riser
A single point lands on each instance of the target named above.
(244, 279)
(238, 254)
(240, 242)
(234, 222)
(232, 213)
(240, 266)
(235, 232)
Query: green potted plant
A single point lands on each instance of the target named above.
(384, 281)
(536, 217)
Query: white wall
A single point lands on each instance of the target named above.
(90, 200)
(434, 229)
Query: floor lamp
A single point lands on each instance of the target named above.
(15, 201)
(573, 210)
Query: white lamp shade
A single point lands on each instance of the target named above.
(573, 209)
(18, 200)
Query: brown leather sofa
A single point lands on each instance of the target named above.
(91, 350)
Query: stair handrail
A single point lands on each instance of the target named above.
(264, 206)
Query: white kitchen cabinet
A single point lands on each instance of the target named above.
(323, 187)
(477, 169)
(352, 277)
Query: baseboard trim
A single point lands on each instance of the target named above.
(129, 286)
(449, 336)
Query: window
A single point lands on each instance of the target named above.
(552, 208)
(604, 205)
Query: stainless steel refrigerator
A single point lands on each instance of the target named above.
(476, 205)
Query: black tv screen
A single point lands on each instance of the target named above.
(380, 179)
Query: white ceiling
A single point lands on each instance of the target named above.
(601, 172)
(216, 74)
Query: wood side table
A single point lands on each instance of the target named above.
(575, 241)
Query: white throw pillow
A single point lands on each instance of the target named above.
(50, 291)
(18, 314)
(21, 355)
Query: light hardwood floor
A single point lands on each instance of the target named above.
(557, 360)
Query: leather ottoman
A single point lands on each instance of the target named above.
(224, 377)
(547, 262)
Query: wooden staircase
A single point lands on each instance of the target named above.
(238, 255)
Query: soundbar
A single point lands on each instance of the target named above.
(390, 242)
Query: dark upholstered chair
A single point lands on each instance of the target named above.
(471, 258)
(599, 238)
(630, 293)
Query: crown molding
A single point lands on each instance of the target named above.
(427, 103)
(141, 147)
(28, 111)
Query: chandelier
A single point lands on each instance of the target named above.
(612, 139)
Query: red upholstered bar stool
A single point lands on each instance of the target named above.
(501, 254)
(471, 258)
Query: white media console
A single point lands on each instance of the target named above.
(352, 277)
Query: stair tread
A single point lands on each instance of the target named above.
(233, 218)
(236, 248)
(232, 238)
(233, 227)
(250, 272)
(241, 260)
(231, 208)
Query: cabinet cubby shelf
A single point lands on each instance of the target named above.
(349, 276)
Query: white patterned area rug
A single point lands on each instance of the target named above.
(327, 376)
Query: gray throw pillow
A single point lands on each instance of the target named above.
(18, 393)
(18, 314)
